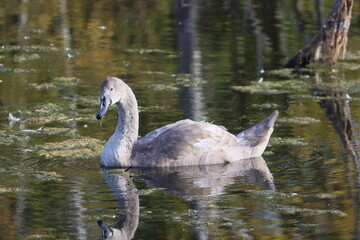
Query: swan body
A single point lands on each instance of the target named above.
(182, 143)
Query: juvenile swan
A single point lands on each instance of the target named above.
(181, 143)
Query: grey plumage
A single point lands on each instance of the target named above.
(182, 143)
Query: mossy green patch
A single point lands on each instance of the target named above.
(83, 100)
(16, 70)
(12, 190)
(79, 148)
(348, 66)
(149, 51)
(47, 119)
(46, 176)
(264, 106)
(26, 57)
(287, 141)
(298, 120)
(56, 83)
(42, 113)
(339, 85)
(282, 73)
(272, 87)
(352, 55)
(46, 131)
(287, 209)
(31, 48)
(9, 137)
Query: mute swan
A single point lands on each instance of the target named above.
(182, 143)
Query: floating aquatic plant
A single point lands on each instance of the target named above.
(34, 48)
(298, 120)
(273, 87)
(287, 141)
(264, 106)
(56, 83)
(83, 100)
(24, 58)
(9, 137)
(148, 51)
(79, 148)
(16, 70)
(46, 176)
(287, 209)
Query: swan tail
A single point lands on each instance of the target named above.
(257, 137)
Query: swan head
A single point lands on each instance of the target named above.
(111, 91)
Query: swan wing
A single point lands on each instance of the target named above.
(183, 143)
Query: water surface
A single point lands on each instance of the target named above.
(182, 59)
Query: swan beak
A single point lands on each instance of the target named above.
(105, 230)
(104, 106)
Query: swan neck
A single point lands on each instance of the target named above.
(128, 118)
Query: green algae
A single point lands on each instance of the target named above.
(46, 176)
(298, 120)
(264, 106)
(287, 141)
(27, 57)
(149, 51)
(32, 48)
(60, 82)
(40, 110)
(273, 87)
(12, 190)
(46, 131)
(348, 66)
(40, 236)
(287, 209)
(47, 119)
(282, 73)
(272, 196)
(10, 137)
(352, 55)
(339, 85)
(79, 148)
(16, 70)
(163, 87)
(89, 101)
(42, 113)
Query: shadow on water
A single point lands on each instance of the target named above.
(190, 183)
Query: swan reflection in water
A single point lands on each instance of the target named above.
(186, 182)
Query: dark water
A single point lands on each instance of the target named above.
(182, 59)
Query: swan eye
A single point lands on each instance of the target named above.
(111, 89)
